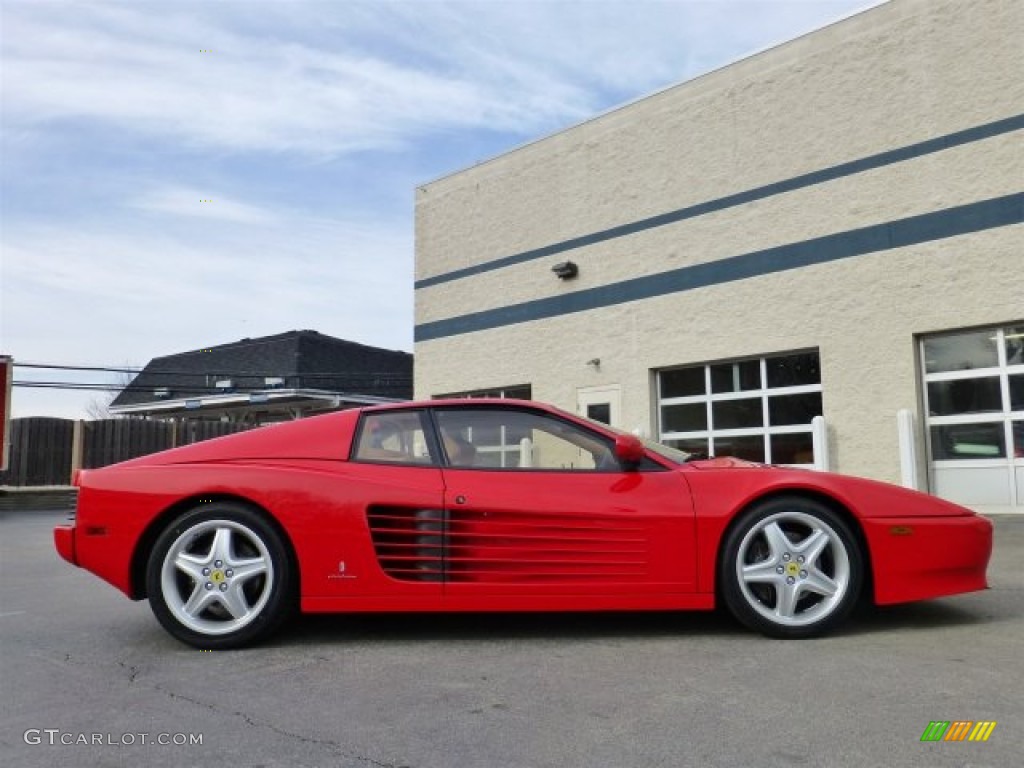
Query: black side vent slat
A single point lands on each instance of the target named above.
(409, 543)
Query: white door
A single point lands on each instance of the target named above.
(602, 404)
(974, 405)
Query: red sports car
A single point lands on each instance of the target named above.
(500, 505)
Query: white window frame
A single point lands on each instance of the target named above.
(764, 392)
(500, 392)
(1003, 370)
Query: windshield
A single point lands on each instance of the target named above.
(666, 452)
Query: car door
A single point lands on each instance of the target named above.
(398, 493)
(538, 505)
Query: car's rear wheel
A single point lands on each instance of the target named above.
(220, 576)
(791, 568)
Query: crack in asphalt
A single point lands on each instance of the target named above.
(133, 671)
(334, 746)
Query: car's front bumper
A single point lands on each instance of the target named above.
(917, 558)
(64, 540)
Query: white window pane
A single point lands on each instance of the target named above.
(737, 414)
(792, 449)
(785, 410)
(689, 417)
(961, 352)
(1015, 345)
(793, 370)
(736, 377)
(1017, 392)
(683, 382)
(694, 445)
(950, 398)
(749, 447)
(969, 441)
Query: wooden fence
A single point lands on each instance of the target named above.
(46, 451)
(40, 452)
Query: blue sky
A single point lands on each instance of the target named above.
(307, 126)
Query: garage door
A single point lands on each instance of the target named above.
(974, 398)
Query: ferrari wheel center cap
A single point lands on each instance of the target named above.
(792, 569)
(217, 576)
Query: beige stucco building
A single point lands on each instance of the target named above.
(832, 227)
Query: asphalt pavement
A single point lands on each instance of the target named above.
(88, 678)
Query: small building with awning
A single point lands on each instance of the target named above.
(268, 379)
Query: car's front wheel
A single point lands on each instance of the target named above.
(791, 568)
(220, 576)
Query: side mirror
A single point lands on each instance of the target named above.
(629, 450)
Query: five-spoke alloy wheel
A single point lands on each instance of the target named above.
(220, 576)
(791, 568)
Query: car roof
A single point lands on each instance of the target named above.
(464, 402)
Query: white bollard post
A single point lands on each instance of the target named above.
(819, 439)
(908, 449)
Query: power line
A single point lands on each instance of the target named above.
(179, 390)
(66, 385)
(238, 373)
(105, 368)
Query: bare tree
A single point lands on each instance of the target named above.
(99, 407)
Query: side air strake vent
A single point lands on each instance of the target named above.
(511, 547)
(409, 543)
(503, 547)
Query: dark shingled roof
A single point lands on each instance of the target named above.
(304, 359)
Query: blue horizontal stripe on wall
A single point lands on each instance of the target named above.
(871, 162)
(950, 222)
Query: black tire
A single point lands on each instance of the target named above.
(221, 576)
(780, 560)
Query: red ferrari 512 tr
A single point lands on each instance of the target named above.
(500, 505)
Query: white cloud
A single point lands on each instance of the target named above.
(516, 67)
(205, 204)
(115, 65)
(145, 295)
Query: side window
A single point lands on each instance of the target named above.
(393, 437)
(511, 439)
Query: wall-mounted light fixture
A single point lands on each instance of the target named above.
(566, 270)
